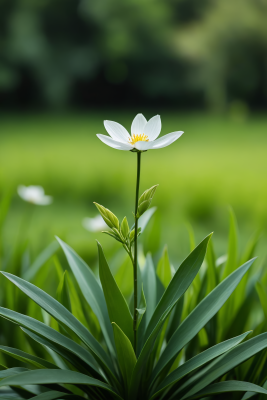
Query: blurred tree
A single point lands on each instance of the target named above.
(177, 52)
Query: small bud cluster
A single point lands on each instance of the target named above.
(121, 232)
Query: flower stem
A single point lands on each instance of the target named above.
(135, 246)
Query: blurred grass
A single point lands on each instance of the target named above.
(217, 162)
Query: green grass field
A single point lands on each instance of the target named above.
(216, 163)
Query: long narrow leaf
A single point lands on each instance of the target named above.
(227, 362)
(188, 270)
(198, 361)
(12, 371)
(228, 386)
(179, 283)
(125, 353)
(58, 352)
(91, 291)
(39, 377)
(61, 314)
(45, 255)
(49, 333)
(150, 287)
(118, 309)
(198, 318)
(27, 358)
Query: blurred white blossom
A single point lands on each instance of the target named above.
(96, 224)
(34, 195)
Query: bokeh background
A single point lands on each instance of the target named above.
(66, 65)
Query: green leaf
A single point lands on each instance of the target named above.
(125, 353)
(132, 235)
(42, 377)
(50, 334)
(54, 394)
(175, 318)
(78, 306)
(43, 257)
(149, 287)
(91, 290)
(110, 219)
(113, 235)
(198, 318)
(191, 234)
(141, 308)
(51, 395)
(232, 247)
(251, 246)
(61, 314)
(12, 371)
(179, 283)
(125, 227)
(27, 358)
(124, 275)
(263, 297)
(56, 350)
(198, 361)
(145, 218)
(225, 363)
(164, 268)
(148, 278)
(145, 353)
(63, 292)
(228, 386)
(117, 307)
(211, 270)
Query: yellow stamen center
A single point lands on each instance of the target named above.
(138, 138)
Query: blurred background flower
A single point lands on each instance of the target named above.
(96, 224)
(67, 65)
(34, 195)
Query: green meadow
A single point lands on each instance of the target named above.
(220, 161)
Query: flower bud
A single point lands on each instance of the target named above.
(125, 228)
(110, 219)
(145, 200)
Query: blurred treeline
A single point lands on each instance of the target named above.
(183, 53)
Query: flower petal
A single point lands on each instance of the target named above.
(114, 143)
(166, 140)
(138, 125)
(143, 145)
(117, 131)
(153, 128)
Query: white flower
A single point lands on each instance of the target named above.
(143, 135)
(34, 195)
(96, 224)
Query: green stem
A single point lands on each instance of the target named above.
(135, 245)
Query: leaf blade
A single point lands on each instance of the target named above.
(179, 283)
(198, 318)
(38, 377)
(118, 309)
(198, 361)
(60, 313)
(229, 386)
(125, 353)
(91, 290)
